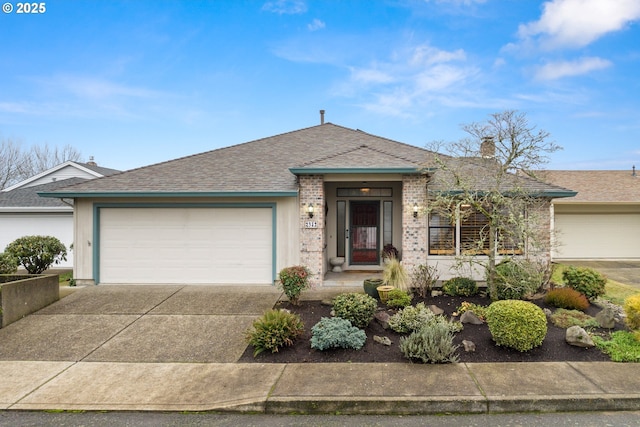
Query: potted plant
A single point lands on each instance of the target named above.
(371, 287)
(293, 280)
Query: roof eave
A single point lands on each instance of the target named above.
(352, 171)
(121, 194)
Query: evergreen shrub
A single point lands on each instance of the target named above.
(336, 332)
(520, 325)
(357, 308)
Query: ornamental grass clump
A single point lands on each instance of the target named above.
(294, 280)
(395, 275)
(336, 332)
(275, 329)
(585, 280)
(520, 325)
(357, 308)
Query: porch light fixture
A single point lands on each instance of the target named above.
(415, 210)
(310, 210)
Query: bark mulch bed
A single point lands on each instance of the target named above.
(553, 349)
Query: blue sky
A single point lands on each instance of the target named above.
(138, 82)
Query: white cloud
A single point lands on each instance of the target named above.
(285, 7)
(316, 25)
(577, 23)
(559, 69)
(411, 78)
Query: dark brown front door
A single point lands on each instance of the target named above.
(363, 230)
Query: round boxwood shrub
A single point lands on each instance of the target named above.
(37, 253)
(585, 280)
(520, 325)
(460, 286)
(358, 309)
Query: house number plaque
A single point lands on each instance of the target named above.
(311, 224)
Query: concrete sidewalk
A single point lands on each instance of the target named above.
(320, 388)
(175, 348)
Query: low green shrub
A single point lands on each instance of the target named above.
(423, 277)
(336, 332)
(294, 280)
(410, 318)
(37, 253)
(432, 343)
(567, 298)
(8, 263)
(478, 310)
(623, 346)
(520, 325)
(397, 298)
(517, 278)
(585, 280)
(460, 286)
(632, 310)
(275, 329)
(563, 318)
(357, 308)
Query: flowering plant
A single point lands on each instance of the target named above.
(293, 280)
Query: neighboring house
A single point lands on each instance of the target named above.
(603, 220)
(237, 215)
(24, 213)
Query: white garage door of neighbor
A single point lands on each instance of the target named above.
(597, 236)
(186, 245)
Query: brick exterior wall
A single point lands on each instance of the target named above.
(539, 214)
(312, 239)
(414, 230)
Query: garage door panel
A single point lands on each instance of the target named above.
(597, 236)
(186, 245)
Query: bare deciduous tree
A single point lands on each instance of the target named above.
(17, 164)
(487, 181)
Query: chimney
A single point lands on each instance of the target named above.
(91, 162)
(487, 147)
(321, 117)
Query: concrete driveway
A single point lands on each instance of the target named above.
(627, 272)
(145, 323)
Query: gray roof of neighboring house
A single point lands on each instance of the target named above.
(267, 165)
(28, 197)
(597, 186)
(99, 169)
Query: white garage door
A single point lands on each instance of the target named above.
(186, 245)
(598, 236)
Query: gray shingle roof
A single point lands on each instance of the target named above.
(598, 186)
(265, 165)
(261, 165)
(28, 197)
